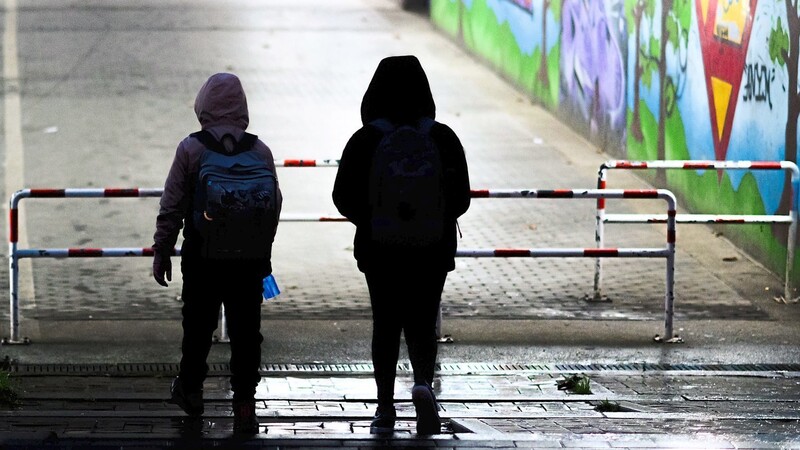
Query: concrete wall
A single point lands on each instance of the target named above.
(660, 79)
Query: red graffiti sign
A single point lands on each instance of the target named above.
(724, 27)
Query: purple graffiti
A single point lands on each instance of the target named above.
(592, 67)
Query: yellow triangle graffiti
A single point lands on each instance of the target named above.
(722, 97)
(704, 8)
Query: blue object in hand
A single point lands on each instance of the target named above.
(270, 287)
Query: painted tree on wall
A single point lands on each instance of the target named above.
(646, 60)
(542, 76)
(542, 85)
(784, 49)
(676, 17)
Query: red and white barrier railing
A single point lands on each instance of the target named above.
(667, 252)
(791, 219)
(600, 194)
(294, 217)
(306, 163)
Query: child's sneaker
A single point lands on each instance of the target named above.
(428, 421)
(244, 417)
(190, 402)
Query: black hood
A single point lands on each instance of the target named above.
(399, 91)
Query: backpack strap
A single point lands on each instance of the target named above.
(425, 124)
(384, 125)
(244, 144)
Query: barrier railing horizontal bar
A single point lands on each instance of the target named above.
(85, 193)
(694, 218)
(292, 217)
(564, 253)
(702, 165)
(570, 193)
(84, 252)
(475, 193)
(118, 252)
(306, 163)
(683, 164)
(286, 217)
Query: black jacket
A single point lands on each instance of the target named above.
(399, 91)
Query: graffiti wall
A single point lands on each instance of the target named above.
(592, 69)
(661, 79)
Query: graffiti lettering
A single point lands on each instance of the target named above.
(757, 87)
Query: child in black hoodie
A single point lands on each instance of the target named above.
(405, 276)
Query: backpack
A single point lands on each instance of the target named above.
(234, 201)
(406, 186)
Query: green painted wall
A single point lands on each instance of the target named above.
(659, 79)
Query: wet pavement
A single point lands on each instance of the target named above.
(482, 405)
(105, 338)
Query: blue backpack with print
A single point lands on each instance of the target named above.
(235, 200)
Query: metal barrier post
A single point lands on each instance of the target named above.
(791, 219)
(600, 252)
(792, 238)
(599, 237)
(13, 271)
(15, 254)
(223, 326)
(13, 275)
(669, 300)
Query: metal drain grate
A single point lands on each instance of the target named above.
(645, 367)
(219, 369)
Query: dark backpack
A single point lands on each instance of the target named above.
(406, 186)
(234, 202)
